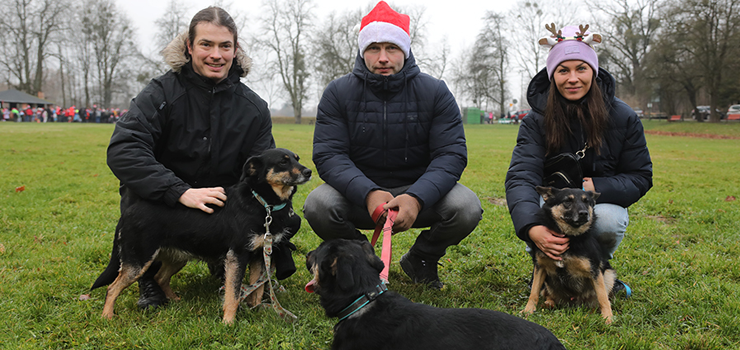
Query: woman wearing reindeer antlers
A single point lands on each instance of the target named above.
(574, 111)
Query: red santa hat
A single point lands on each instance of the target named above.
(384, 25)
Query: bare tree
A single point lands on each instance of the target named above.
(173, 22)
(28, 28)
(710, 29)
(286, 24)
(631, 29)
(488, 64)
(528, 19)
(671, 68)
(436, 64)
(336, 45)
(112, 47)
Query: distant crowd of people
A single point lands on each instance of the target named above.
(61, 115)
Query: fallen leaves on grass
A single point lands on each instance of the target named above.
(497, 201)
(84, 297)
(689, 134)
(20, 188)
(730, 198)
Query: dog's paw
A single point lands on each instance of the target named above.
(550, 304)
(528, 310)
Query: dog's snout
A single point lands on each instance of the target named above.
(306, 172)
(583, 215)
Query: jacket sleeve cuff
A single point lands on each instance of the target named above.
(172, 196)
(523, 233)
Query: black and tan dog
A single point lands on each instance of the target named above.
(584, 276)
(346, 278)
(233, 235)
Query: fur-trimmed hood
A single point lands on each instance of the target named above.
(175, 55)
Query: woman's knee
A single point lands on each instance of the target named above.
(611, 218)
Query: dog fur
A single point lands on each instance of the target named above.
(584, 276)
(232, 234)
(344, 270)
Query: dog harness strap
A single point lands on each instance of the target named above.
(363, 300)
(387, 229)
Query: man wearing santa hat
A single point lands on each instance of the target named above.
(390, 136)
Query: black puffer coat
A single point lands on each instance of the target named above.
(622, 173)
(184, 131)
(374, 131)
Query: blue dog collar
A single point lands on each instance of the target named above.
(362, 301)
(267, 206)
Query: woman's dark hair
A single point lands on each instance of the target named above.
(590, 112)
(214, 15)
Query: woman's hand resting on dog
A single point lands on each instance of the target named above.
(198, 198)
(551, 243)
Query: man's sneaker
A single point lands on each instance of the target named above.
(420, 270)
(621, 286)
(150, 294)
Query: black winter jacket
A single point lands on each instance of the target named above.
(622, 173)
(376, 132)
(184, 131)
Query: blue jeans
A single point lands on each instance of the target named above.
(611, 226)
(450, 220)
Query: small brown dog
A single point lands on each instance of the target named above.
(584, 276)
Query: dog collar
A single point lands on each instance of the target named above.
(363, 300)
(267, 206)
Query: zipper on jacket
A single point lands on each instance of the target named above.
(385, 133)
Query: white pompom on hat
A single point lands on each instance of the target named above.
(384, 25)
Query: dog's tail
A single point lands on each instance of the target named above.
(111, 271)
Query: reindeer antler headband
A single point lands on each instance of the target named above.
(581, 35)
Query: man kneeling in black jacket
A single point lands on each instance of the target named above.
(187, 135)
(387, 133)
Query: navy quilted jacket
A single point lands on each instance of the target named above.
(374, 131)
(622, 173)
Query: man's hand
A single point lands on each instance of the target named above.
(551, 243)
(376, 198)
(197, 198)
(408, 208)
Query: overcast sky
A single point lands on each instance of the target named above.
(459, 21)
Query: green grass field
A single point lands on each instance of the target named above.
(680, 255)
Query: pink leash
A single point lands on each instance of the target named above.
(387, 229)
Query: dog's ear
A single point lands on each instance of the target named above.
(375, 262)
(546, 192)
(252, 166)
(345, 277)
(595, 195)
(340, 268)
